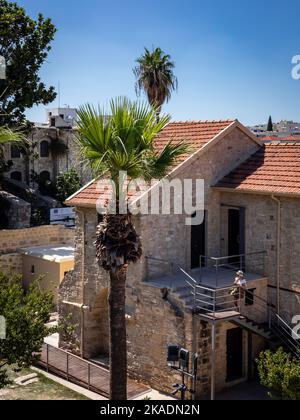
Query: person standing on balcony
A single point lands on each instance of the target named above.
(240, 288)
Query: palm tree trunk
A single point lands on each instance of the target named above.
(117, 335)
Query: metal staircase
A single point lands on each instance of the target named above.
(254, 327)
(216, 303)
(275, 329)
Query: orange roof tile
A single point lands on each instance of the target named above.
(196, 133)
(273, 169)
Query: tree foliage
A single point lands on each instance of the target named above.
(25, 317)
(280, 373)
(155, 76)
(24, 44)
(67, 183)
(7, 136)
(270, 126)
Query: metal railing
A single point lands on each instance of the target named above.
(277, 325)
(83, 372)
(213, 301)
(251, 262)
(74, 369)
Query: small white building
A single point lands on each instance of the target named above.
(62, 117)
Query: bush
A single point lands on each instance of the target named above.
(26, 316)
(280, 373)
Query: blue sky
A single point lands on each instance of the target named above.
(233, 58)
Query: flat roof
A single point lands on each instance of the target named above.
(55, 253)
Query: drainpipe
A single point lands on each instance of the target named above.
(278, 248)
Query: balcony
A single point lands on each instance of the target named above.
(214, 272)
(207, 290)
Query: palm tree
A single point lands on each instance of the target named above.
(7, 136)
(122, 142)
(155, 76)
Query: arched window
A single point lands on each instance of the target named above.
(15, 152)
(44, 149)
(45, 176)
(17, 176)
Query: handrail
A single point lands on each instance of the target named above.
(238, 256)
(288, 327)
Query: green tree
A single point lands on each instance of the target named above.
(155, 76)
(67, 183)
(280, 373)
(25, 317)
(24, 44)
(123, 142)
(270, 126)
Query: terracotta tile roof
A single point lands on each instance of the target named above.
(275, 168)
(196, 133)
(99, 192)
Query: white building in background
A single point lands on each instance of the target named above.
(62, 117)
(281, 129)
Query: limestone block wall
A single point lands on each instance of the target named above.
(15, 211)
(12, 240)
(84, 286)
(11, 263)
(154, 325)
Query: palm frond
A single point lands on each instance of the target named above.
(124, 140)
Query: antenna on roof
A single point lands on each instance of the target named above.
(58, 93)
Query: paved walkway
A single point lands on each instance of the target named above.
(248, 391)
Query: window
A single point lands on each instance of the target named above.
(62, 116)
(15, 152)
(52, 122)
(44, 149)
(32, 269)
(16, 176)
(249, 298)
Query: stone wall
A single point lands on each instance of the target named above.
(11, 263)
(15, 213)
(12, 240)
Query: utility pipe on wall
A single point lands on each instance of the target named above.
(278, 250)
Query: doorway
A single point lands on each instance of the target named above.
(198, 242)
(234, 346)
(233, 233)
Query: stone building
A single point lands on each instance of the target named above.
(52, 150)
(179, 293)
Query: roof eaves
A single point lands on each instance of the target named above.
(257, 192)
(79, 191)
